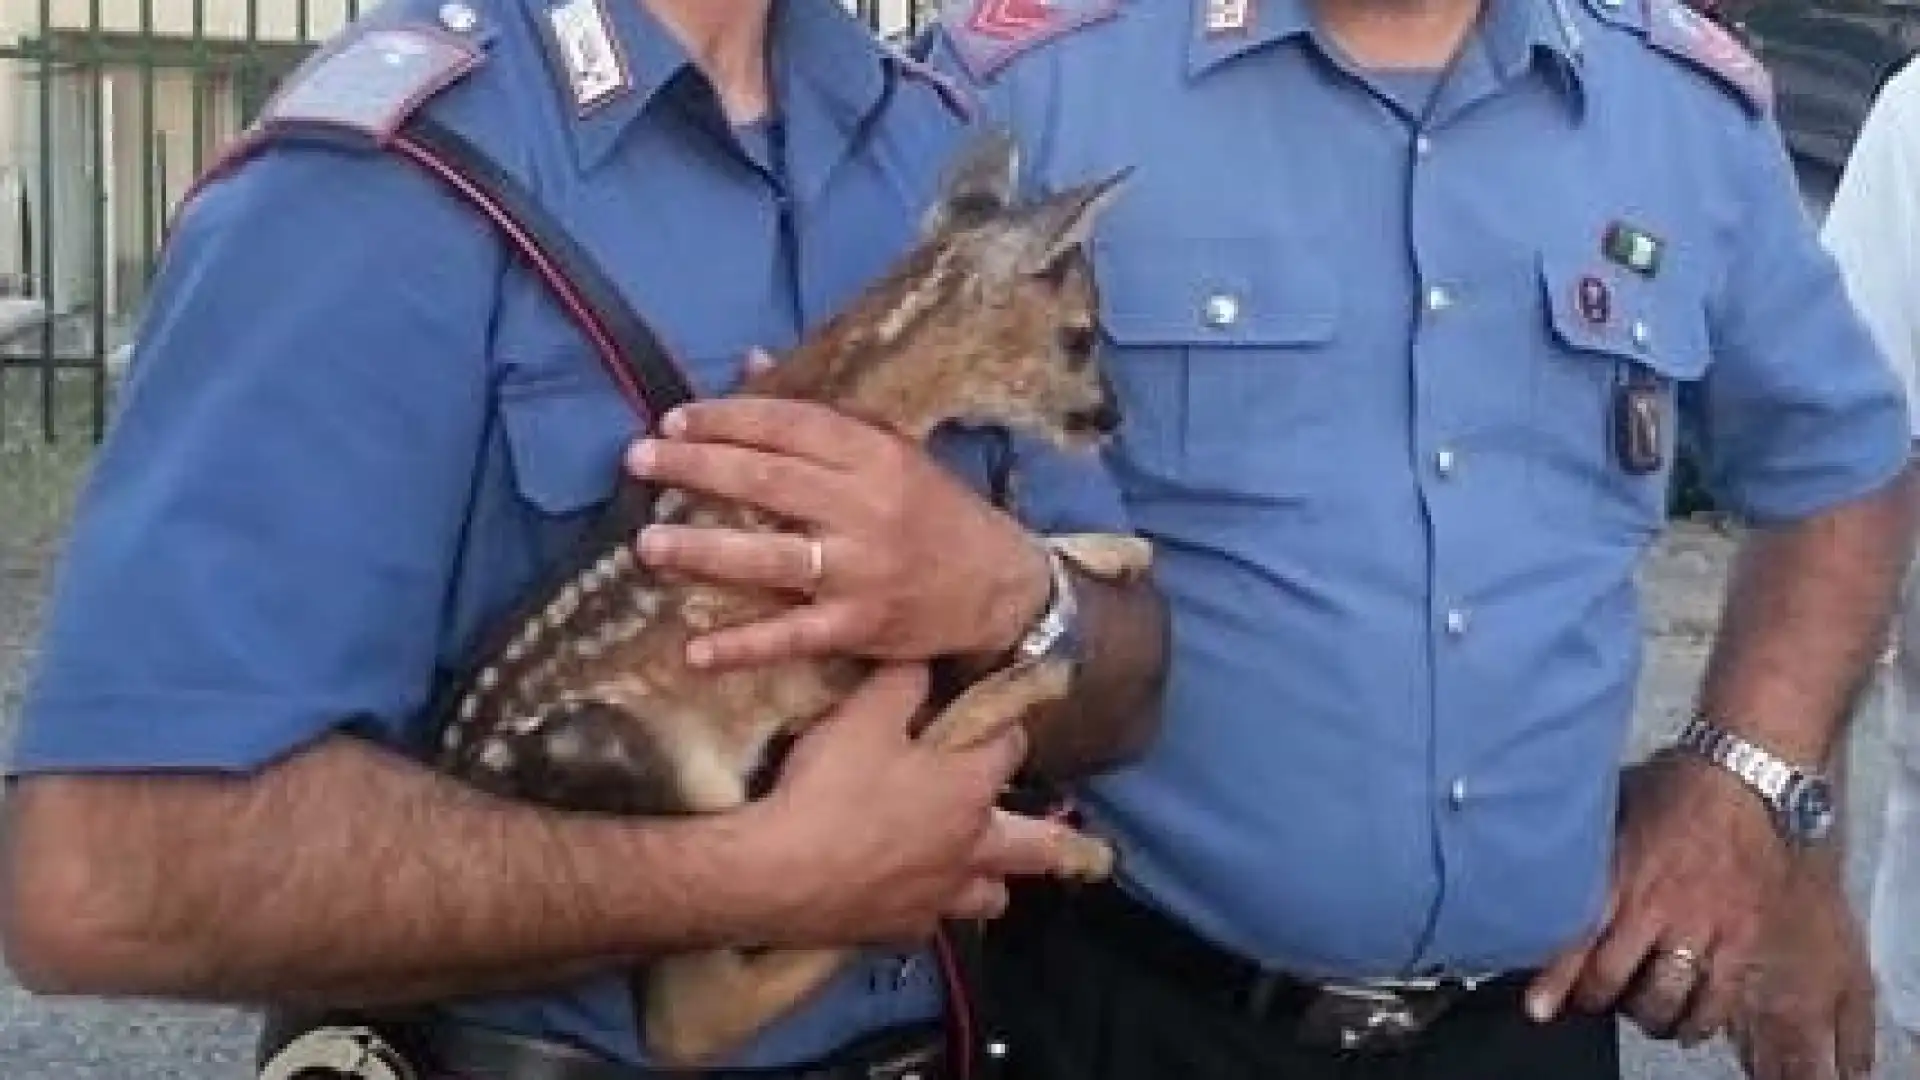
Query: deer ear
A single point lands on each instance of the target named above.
(1055, 228)
(979, 184)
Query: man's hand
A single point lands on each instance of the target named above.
(1696, 863)
(873, 837)
(1807, 1009)
(913, 565)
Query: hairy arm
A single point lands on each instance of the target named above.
(1807, 609)
(346, 876)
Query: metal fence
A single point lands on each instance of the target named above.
(108, 110)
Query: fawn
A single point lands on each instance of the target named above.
(585, 702)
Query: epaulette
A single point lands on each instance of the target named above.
(374, 75)
(952, 94)
(1675, 28)
(988, 34)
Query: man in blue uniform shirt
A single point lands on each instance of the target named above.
(1398, 306)
(356, 428)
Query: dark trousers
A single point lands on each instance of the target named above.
(1073, 1004)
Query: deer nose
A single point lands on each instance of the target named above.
(1103, 418)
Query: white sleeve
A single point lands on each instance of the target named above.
(1873, 228)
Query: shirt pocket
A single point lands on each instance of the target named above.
(1613, 335)
(566, 435)
(1220, 351)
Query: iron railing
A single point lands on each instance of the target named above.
(108, 109)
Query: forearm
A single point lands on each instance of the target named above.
(1806, 612)
(347, 876)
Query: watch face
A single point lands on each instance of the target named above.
(1811, 812)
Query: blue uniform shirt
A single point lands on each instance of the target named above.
(1367, 342)
(356, 426)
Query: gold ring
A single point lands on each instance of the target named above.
(1685, 957)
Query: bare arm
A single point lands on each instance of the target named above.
(1806, 614)
(346, 876)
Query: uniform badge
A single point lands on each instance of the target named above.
(1639, 428)
(1594, 302)
(595, 69)
(1633, 247)
(1228, 16)
(1010, 18)
(987, 35)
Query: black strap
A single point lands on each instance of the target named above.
(632, 354)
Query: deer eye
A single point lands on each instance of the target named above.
(1077, 342)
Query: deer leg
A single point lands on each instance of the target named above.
(989, 707)
(1109, 557)
(997, 702)
(701, 1005)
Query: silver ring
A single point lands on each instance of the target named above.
(816, 561)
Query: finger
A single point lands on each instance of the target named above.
(729, 556)
(1715, 1000)
(995, 759)
(787, 486)
(889, 699)
(1616, 959)
(802, 429)
(1855, 1034)
(821, 629)
(1018, 846)
(1551, 988)
(1659, 996)
(980, 900)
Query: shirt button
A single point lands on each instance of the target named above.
(1456, 622)
(1222, 310)
(1457, 794)
(1439, 299)
(458, 17)
(1443, 461)
(1422, 146)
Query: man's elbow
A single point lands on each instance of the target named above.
(72, 917)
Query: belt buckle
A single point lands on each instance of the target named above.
(1383, 1015)
(352, 1053)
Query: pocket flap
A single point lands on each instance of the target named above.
(1660, 324)
(566, 441)
(1214, 292)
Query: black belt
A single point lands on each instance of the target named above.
(1353, 1016)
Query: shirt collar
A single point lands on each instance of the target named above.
(829, 74)
(1514, 32)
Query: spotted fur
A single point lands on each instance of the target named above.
(584, 700)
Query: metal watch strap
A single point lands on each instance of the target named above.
(1778, 783)
(1054, 627)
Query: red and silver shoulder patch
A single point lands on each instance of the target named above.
(1676, 28)
(988, 34)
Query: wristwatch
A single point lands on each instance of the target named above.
(1801, 800)
(1056, 632)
